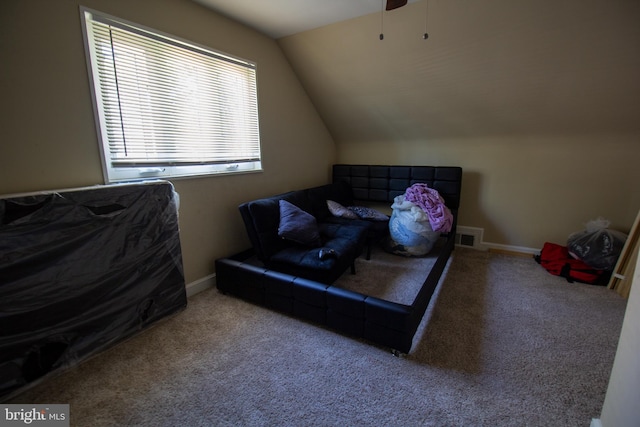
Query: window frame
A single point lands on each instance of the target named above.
(113, 174)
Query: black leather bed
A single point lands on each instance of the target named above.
(379, 321)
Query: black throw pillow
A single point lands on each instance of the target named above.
(298, 226)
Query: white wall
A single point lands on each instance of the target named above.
(622, 403)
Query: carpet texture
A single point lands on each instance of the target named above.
(503, 343)
(390, 277)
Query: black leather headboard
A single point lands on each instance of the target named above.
(383, 183)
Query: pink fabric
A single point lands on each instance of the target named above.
(430, 201)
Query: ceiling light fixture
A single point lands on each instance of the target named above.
(426, 16)
(394, 4)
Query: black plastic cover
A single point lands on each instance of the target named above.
(81, 270)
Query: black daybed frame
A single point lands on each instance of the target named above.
(382, 322)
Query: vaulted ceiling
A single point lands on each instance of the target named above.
(278, 18)
(496, 67)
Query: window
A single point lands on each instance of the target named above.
(168, 108)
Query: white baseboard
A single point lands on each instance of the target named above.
(201, 285)
(595, 422)
(510, 248)
(480, 244)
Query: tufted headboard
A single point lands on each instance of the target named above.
(380, 183)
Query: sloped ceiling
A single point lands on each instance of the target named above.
(495, 67)
(278, 18)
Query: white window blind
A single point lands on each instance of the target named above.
(169, 108)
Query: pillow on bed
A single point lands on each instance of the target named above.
(340, 211)
(297, 225)
(368, 213)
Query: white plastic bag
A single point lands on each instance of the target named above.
(410, 230)
(597, 245)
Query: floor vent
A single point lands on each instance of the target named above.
(470, 237)
(464, 239)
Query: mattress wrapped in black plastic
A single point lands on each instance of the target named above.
(81, 270)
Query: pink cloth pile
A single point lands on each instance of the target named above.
(430, 201)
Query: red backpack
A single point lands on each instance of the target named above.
(557, 261)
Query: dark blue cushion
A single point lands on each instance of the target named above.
(262, 218)
(298, 226)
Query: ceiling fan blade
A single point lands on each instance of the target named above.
(394, 4)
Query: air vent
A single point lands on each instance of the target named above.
(465, 239)
(470, 237)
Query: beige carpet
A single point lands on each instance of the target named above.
(503, 344)
(391, 277)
